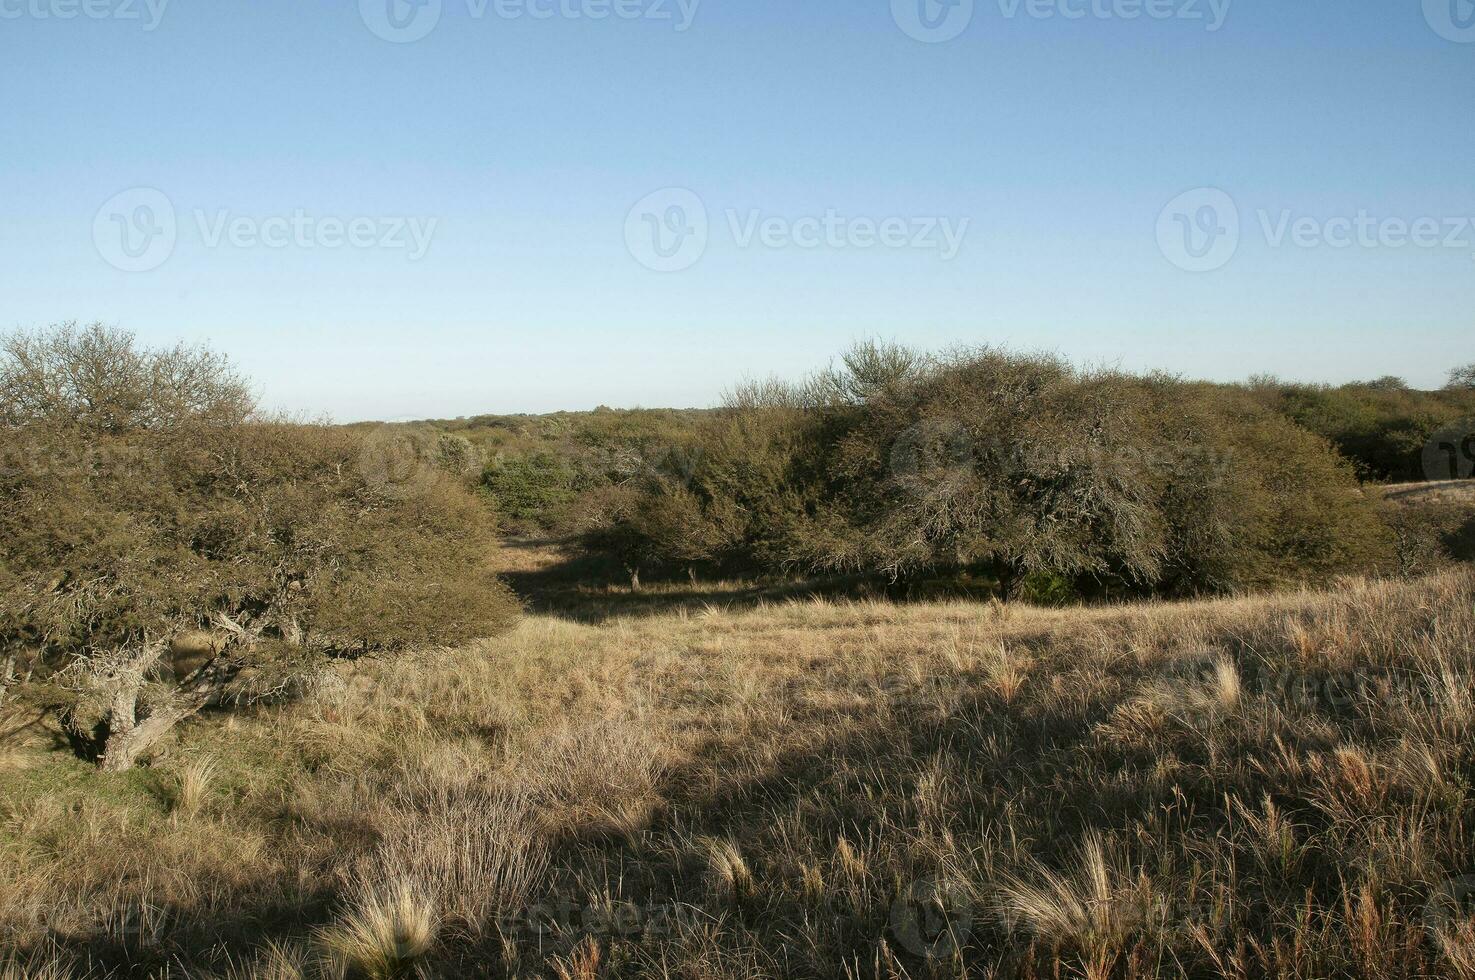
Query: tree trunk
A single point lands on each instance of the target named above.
(123, 712)
(127, 738)
(1011, 578)
(123, 748)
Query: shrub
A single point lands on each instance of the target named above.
(531, 490)
(162, 550)
(99, 380)
(1382, 430)
(1020, 467)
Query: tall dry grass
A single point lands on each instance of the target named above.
(1266, 786)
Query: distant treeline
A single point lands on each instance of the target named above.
(539, 466)
(166, 548)
(1382, 427)
(545, 472)
(1020, 470)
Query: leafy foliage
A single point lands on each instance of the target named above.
(140, 514)
(1381, 429)
(1020, 466)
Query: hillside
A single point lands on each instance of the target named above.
(1457, 492)
(732, 787)
(958, 666)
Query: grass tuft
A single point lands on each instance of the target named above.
(383, 936)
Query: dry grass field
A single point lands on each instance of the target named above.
(723, 784)
(1460, 492)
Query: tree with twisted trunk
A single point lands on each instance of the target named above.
(164, 550)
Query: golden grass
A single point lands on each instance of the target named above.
(192, 786)
(1422, 494)
(733, 787)
(383, 935)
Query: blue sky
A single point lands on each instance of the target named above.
(828, 145)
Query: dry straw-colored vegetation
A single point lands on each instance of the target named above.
(735, 787)
(165, 549)
(267, 709)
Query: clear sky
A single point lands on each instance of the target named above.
(386, 209)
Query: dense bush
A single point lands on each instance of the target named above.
(557, 473)
(163, 550)
(532, 490)
(1381, 428)
(1016, 467)
(546, 473)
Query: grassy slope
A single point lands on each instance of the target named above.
(1459, 492)
(1268, 786)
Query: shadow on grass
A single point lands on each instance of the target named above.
(1032, 763)
(157, 941)
(1035, 766)
(558, 578)
(1460, 542)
